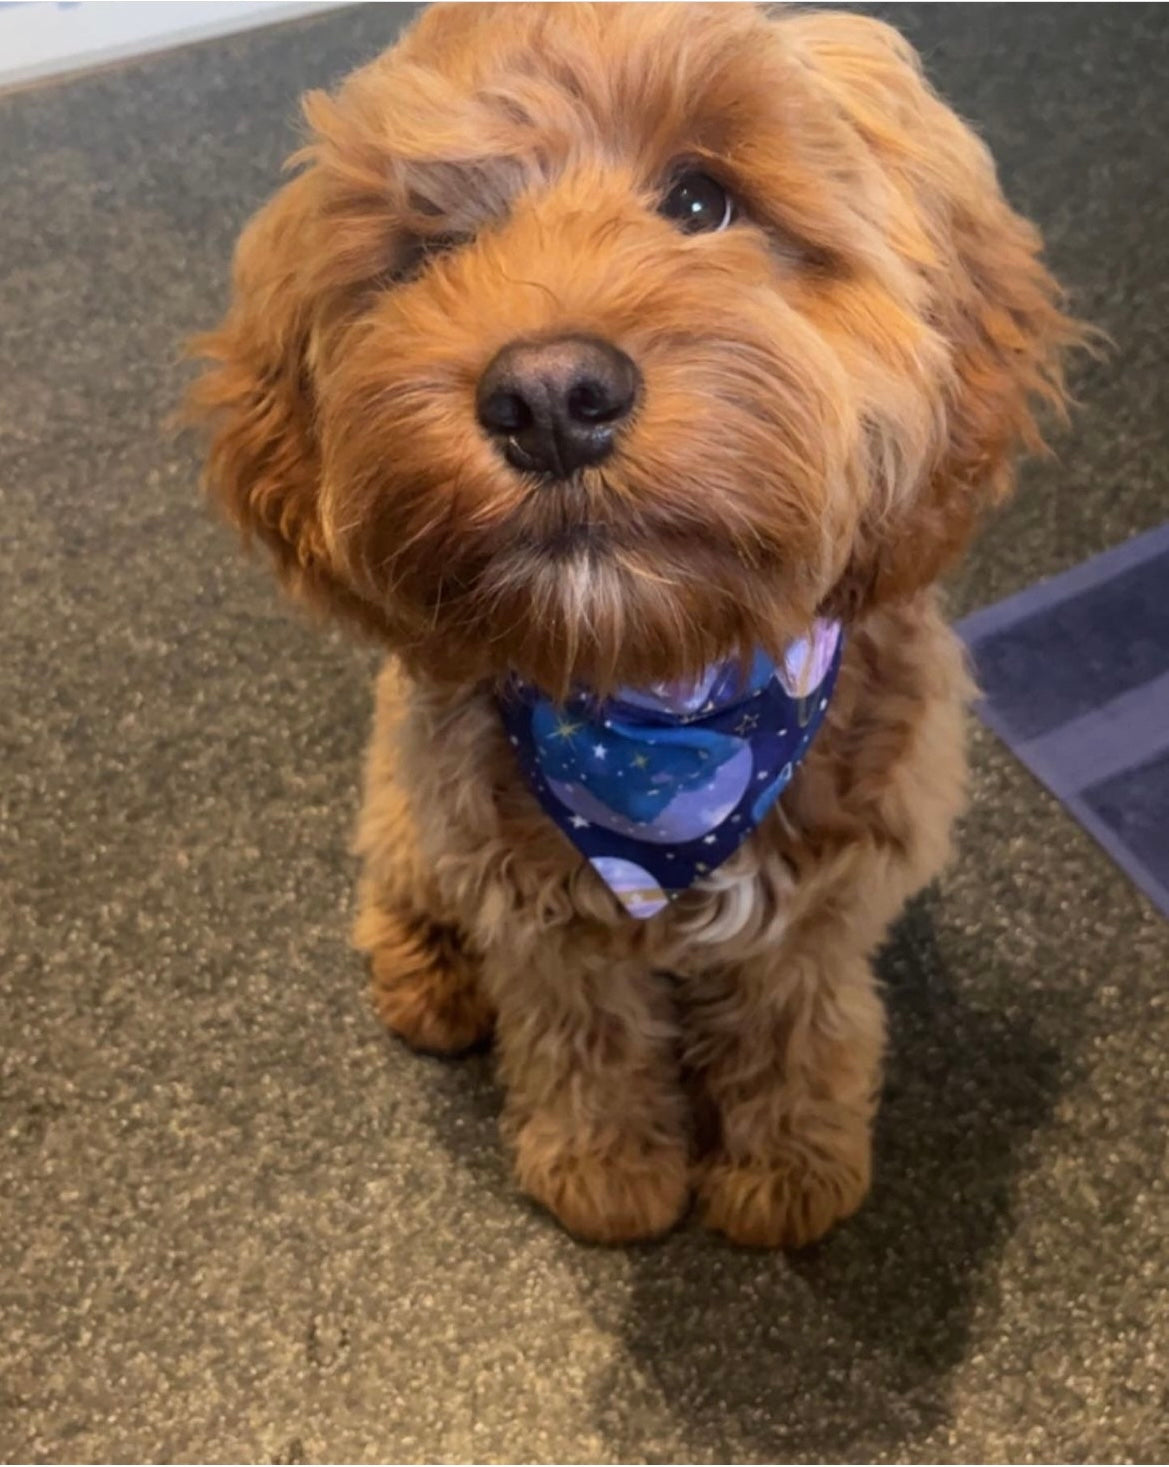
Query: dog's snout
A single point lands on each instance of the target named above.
(554, 406)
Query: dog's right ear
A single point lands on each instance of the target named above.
(256, 399)
(263, 467)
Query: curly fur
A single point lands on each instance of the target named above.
(834, 391)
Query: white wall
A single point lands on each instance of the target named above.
(40, 39)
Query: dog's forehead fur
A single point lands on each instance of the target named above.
(479, 105)
(624, 80)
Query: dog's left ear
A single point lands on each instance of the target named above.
(991, 299)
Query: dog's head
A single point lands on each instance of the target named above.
(597, 342)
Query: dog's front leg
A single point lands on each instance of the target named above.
(424, 978)
(787, 1048)
(594, 1113)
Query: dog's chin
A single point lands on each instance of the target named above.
(576, 586)
(571, 595)
(581, 606)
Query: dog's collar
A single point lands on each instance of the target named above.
(657, 788)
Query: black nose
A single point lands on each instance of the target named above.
(553, 406)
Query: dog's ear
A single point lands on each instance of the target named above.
(256, 398)
(990, 298)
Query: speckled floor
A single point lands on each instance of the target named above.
(235, 1220)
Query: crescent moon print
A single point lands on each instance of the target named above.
(632, 885)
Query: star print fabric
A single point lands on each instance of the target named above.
(658, 787)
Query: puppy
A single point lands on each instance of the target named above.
(631, 373)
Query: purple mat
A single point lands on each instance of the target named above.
(1075, 677)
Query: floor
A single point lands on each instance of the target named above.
(238, 1223)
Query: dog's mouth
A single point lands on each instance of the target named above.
(562, 521)
(567, 541)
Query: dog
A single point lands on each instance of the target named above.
(631, 374)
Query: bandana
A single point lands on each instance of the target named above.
(658, 788)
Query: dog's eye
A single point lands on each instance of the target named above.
(697, 203)
(415, 254)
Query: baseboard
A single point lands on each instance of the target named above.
(39, 40)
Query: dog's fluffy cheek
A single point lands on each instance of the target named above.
(411, 489)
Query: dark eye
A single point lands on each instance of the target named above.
(697, 203)
(414, 254)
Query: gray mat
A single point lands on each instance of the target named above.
(1075, 677)
(235, 1220)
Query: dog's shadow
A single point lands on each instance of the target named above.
(842, 1352)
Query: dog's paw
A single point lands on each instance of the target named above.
(623, 1193)
(425, 989)
(788, 1201)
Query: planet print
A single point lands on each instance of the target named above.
(806, 662)
(722, 684)
(768, 797)
(687, 815)
(678, 699)
(634, 887)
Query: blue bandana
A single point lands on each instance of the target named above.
(657, 788)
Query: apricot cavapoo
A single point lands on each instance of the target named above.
(631, 373)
